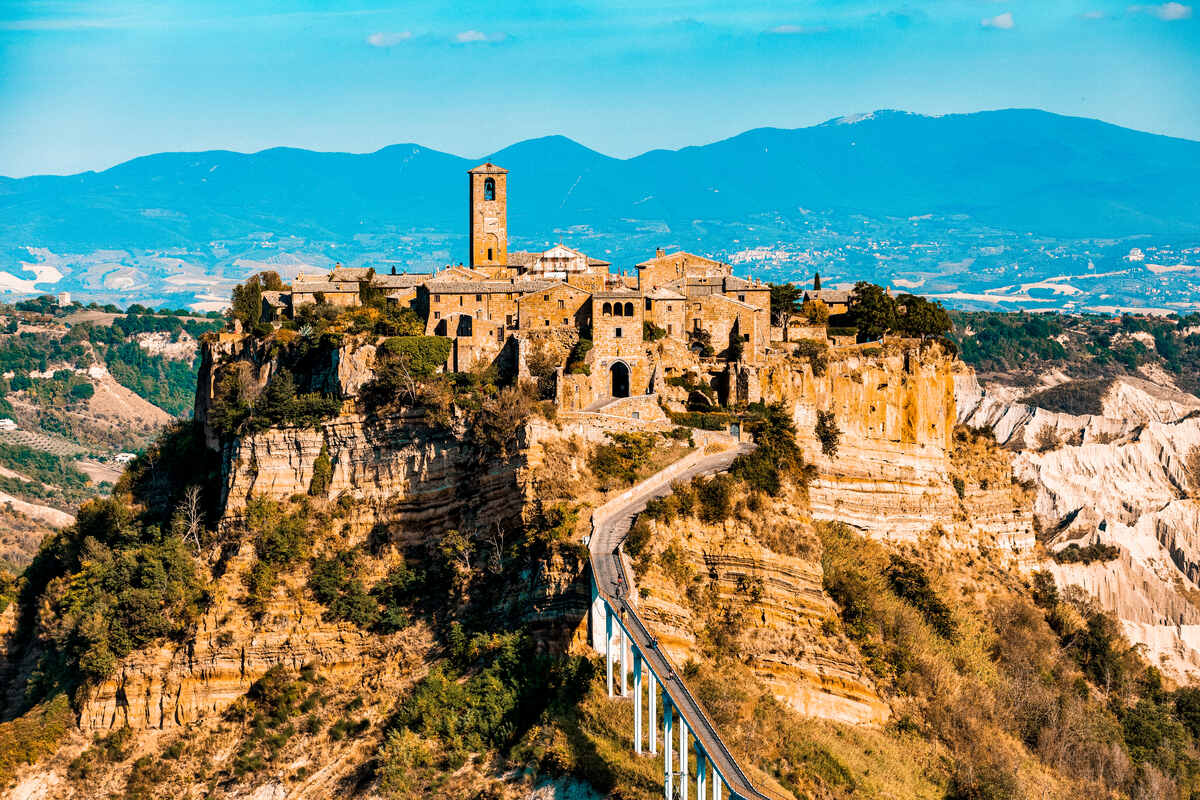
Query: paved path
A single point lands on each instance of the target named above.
(613, 584)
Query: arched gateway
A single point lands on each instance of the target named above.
(620, 379)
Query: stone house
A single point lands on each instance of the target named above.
(559, 305)
(838, 300)
(666, 309)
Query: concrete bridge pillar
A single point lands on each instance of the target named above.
(624, 663)
(683, 768)
(608, 653)
(637, 701)
(668, 775)
(717, 782)
(701, 767)
(652, 724)
(599, 610)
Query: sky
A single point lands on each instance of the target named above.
(86, 85)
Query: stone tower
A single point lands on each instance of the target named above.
(489, 216)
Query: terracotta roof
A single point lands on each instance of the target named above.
(726, 299)
(555, 286)
(403, 280)
(274, 298)
(618, 294)
(487, 167)
(340, 287)
(596, 262)
(663, 293)
(350, 273)
(829, 295)
(486, 287)
(678, 254)
(733, 282)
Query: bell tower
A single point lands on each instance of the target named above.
(489, 216)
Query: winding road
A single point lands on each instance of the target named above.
(613, 583)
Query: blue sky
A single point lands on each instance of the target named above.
(85, 85)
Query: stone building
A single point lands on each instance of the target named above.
(502, 302)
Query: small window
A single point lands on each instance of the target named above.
(508, 320)
(629, 309)
(547, 322)
(564, 321)
(669, 307)
(647, 303)
(741, 298)
(460, 299)
(437, 315)
(489, 193)
(546, 298)
(617, 310)
(607, 310)
(670, 329)
(489, 254)
(616, 333)
(745, 337)
(562, 303)
(478, 298)
(437, 298)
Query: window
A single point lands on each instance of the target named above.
(547, 322)
(741, 298)
(489, 254)
(508, 320)
(670, 329)
(546, 298)
(437, 298)
(616, 333)
(562, 303)
(607, 310)
(460, 299)
(489, 193)
(564, 320)
(647, 303)
(745, 337)
(629, 309)
(617, 310)
(478, 298)
(437, 315)
(669, 307)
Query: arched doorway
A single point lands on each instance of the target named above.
(620, 379)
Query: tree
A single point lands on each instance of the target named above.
(192, 511)
(873, 311)
(246, 306)
(922, 317)
(816, 281)
(828, 433)
(785, 302)
(816, 311)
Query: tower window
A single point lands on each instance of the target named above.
(489, 254)
(607, 309)
(616, 333)
(489, 190)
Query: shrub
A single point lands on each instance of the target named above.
(828, 433)
(1073, 397)
(1047, 439)
(620, 461)
(909, 581)
(1097, 551)
(651, 332)
(322, 473)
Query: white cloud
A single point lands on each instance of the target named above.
(471, 36)
(787, 29)
(383, 39)
(1093, 15)
(1166, 11)
(1000, 21)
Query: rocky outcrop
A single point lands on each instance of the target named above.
(763, 606)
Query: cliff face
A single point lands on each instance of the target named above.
(894, 472)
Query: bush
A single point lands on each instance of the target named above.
(1097, 551)
(1076, 397)
(322, 473)
(651, 332)
(828, 433)
(1047, 439)
(575, 359)
(620, 461)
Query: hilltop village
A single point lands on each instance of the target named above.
(601, 324)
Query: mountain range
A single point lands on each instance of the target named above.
(1016, 171)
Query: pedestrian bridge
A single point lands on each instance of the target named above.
(661, 699)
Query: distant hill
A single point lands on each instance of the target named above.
(1017, 170)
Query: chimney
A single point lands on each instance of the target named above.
(659, 252)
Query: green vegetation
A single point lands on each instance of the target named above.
(267, 711)
(492, 690)
(815, 352)
(280, 404)
(1097, 551)
(651, 332)
(828, 433)
(1073, 397)
(875, 313)
(33, 735)
(619, 462)
(383, 609)
(575, 364)
(785, 302)
(281, 540)
(1054, 675)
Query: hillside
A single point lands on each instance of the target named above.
(357, 574)
(880, 196)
